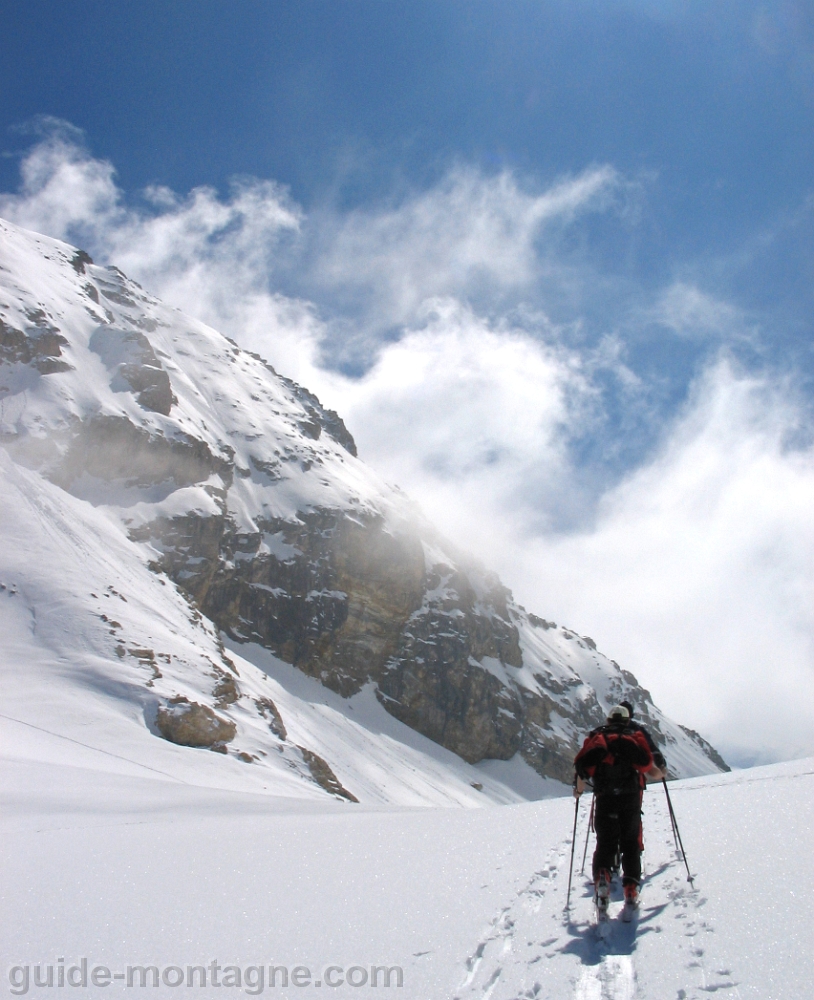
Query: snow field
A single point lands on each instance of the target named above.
(468, 903)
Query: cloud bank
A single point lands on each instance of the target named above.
(700, 569)
(425, 324)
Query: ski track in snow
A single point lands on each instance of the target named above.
(497, 955)
(470, 903)
(613, 978)
(523, 953)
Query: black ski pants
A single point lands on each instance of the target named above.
(618, 825)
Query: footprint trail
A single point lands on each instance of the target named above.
(532, 950)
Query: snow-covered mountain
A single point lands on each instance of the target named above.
(194, 557)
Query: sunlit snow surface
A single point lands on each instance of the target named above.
(125, 870)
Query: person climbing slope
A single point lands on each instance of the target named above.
(616, 758)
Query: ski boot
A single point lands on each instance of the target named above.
(631, 890)
(602, 889)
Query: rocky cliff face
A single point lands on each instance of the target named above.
(246, 492)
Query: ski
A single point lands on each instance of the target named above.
(602, 897)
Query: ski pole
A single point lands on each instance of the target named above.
(588, 834)
(673, 823)
(673, 826)
(573, 844)
(677, 832)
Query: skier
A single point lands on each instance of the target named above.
(617, 758)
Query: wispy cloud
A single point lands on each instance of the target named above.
(689, 311)
(63, 190)
(694, 567)
(469, 229)
(213, 257)
(482, 239)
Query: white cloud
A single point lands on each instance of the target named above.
(696, 572)
(63, 188)
(473, 420)
(699, 572)
(469, 235)
(691, 312)
(210, 257)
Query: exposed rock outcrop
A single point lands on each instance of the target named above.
(708, 749)
(192, 725)
(113, 448)
(131, 361)
(323, 775)
(39, 345)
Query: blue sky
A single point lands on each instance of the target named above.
(716, 99)
(552, 261)
(709, 107)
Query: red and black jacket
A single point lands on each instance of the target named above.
(614, 758)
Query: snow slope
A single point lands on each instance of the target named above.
(71, 593)
(120, 869)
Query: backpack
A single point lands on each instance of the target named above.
(615, 759)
